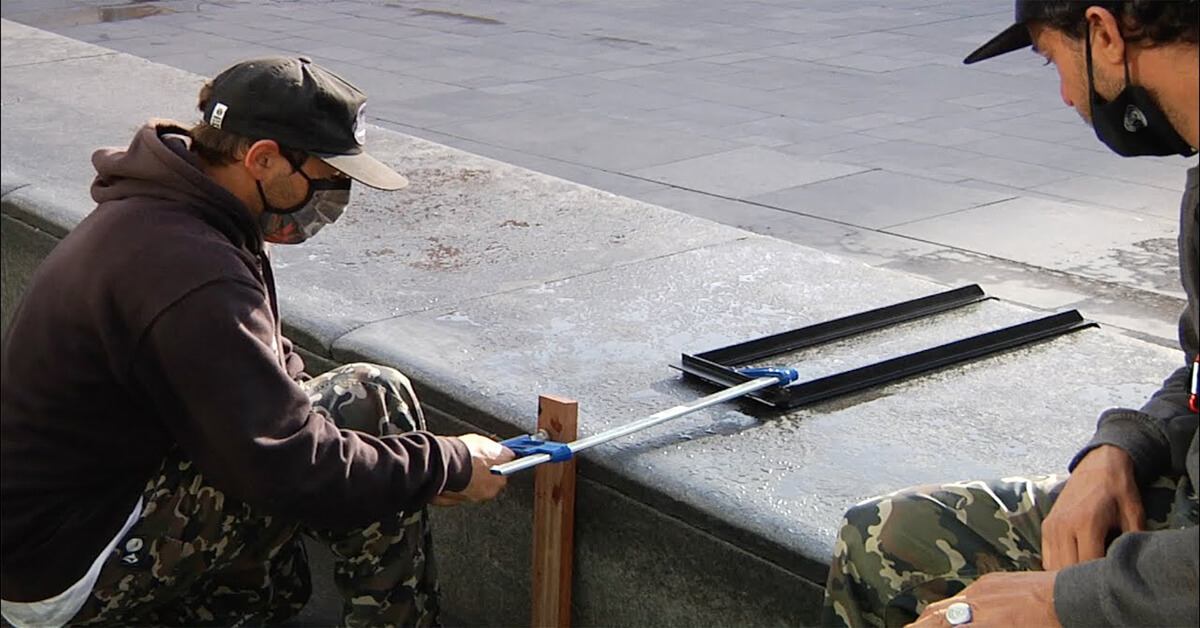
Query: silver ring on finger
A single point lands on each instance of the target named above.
(958, 613)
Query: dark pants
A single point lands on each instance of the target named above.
(197, 557)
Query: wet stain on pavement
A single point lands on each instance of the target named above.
(453, 15)
(1148, 264)
(64, 18)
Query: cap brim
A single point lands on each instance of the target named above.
(367, 170)
(1013, 38)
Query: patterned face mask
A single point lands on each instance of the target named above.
(324, 204)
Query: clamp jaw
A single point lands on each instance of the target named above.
(784, 374)
(530, 444)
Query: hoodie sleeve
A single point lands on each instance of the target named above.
(1147, 579)
(1158, 435)
(1150, 578)
(293, 361)
(207, 363)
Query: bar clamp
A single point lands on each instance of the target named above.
(530, 444)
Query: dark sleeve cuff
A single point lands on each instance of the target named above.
(1139, 435)
(1147, 579)
(1077, 591)
(458, 463)
(294, 363)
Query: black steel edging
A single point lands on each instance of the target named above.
(897, 368)
(930, 359)
(728, 377)
(846, 326)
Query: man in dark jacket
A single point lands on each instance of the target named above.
(1115, 543)
(161, 447)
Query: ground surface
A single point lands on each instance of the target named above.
(849, 126)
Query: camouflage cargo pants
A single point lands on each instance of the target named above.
(196, 557)
(898, 553)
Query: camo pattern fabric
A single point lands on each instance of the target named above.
(196, 557)
(366, 397)
(898, 553)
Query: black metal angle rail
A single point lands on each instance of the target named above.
(844, 327)
(718, 366)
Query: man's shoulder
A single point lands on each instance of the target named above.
(159, 232)
(150, 252)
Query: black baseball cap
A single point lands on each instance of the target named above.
(1014, 37)
(301, 106)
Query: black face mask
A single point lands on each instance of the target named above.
(1132, 124)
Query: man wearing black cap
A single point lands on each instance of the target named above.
(161, 447)
(1115, 543)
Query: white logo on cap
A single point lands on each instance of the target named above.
(218, 115)
(360, 125)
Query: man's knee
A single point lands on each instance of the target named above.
(369, 398)
(901, 531)
(869, 518)
(957, 530)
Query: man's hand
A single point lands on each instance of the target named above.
(1019, 598)
(483, 486)
(1100, 496)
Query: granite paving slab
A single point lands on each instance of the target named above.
(763, 478)
(879, 84)
(879, 199)
(746, 172)
(466, 226)
(1116, 247)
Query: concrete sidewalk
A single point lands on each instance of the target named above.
(848, 126)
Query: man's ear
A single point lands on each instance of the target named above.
(263, 160)
(1108, 46)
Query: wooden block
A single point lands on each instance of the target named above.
(554, 518)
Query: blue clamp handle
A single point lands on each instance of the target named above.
(785, 375)
(526, 445)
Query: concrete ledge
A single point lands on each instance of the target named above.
(31, 223)
(489, 285)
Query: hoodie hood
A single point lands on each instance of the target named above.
(159, 163)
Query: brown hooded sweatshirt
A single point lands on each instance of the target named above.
(152, 325)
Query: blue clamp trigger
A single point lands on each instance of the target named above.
(526, 445)
(785, 375)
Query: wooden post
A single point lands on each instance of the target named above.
(554, 518)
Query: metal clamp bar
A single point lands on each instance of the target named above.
(785, 376)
